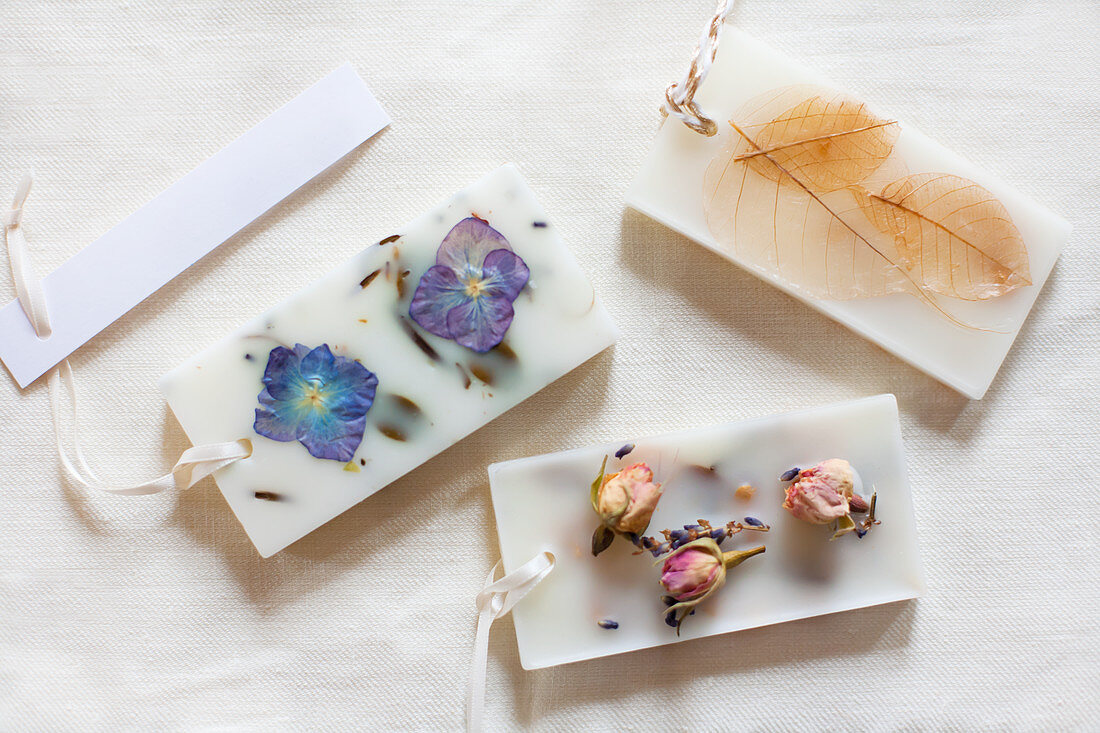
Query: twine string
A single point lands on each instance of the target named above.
(680, 96)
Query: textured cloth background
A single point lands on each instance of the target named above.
(156, 613)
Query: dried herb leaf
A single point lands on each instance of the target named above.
(844, 525)
(826, 139)
(595, 491)
(601, 539)
(953, 235)
(784, 226)
(791, 194)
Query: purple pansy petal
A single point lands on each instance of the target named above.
(467, 296)
(467, 244)
(351, 391)
(504, 274)
(438, 292)
(326, 435)
(271, 422)
(317, 398)
(282, 376)
(318, 365)
(480, 323)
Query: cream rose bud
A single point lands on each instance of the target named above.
(820, 494)
(626, 500)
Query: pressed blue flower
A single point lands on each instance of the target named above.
(467, 295)
(316, 398)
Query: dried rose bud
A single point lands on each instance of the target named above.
(626, 500)
(695, 571)
(820, 494)
(857, 504)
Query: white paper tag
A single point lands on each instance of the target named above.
(189, 219)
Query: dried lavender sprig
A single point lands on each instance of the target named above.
(676, 538)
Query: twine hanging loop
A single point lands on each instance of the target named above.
(680, 96)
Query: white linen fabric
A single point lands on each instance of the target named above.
(156, 613)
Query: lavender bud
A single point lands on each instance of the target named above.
(753, 521)
(789, 475)
(608, 624)
(624, 450)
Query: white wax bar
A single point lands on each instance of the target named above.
(542, 504)
(431, 391)
(669, 188)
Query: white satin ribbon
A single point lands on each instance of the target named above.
(28, 288)
(195, 464)
(495, 600)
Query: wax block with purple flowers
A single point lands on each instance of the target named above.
(391, 358)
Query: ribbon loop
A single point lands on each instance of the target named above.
(496, 599)
(195, 464)
(28, 288)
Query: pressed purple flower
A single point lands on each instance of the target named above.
(316, 398)
(467, 295)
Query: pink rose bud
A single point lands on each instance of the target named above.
(693, 572)
(820, 494)
(626, 500)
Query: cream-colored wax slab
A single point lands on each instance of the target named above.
(559, 323)
(542, 504)
(669, 188)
